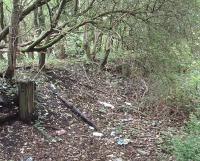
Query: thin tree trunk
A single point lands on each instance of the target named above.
(13, 40)
(109, 43)
(1, 15)
(96, 46)
(42, 54)
(37, 30)
(1, 23)
(76, 6)
(62, 54)
(86, 46)
(39, 23)
(31, 55)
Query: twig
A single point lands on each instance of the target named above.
(38, 72)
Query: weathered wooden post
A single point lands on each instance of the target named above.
(26, 100)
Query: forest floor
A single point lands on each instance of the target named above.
(126, 132)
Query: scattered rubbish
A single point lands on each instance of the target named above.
(118, 159)
(122, 141)
(102, 110)
(128, 103)
(155, 123)
(60, 132)
(127, 120)
(52, 86)
(142, 152)
(111, 156)
(114, 158)
(53, 140)
(113, 133)
(106, 104)
(22, 150)
(90, 127)
(98, 134)
(27, 159)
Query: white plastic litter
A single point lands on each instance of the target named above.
(106, 104)
(98, 134)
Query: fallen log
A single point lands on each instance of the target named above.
(72, 108)
(77, 112)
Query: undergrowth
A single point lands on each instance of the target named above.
(174, 78)
(186, 146)
(3, 65)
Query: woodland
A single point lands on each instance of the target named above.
(99, 80)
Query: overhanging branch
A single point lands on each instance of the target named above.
(33, 47)
(25, 12)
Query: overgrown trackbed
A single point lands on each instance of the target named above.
(127, 133)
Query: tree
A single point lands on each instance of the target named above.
(1, 15)
(13, 39)
(1, 22)
(129, 23)
(41, 27)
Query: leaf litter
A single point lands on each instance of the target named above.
(123, 134)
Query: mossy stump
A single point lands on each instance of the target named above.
(26, 100)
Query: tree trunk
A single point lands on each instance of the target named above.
(86, 46)
(62, 54)
(26, 100)
(42, 54)
(76, 6)
(96, 46)
(31, 55)
(109, 43)
(1, 16)
(42, 58)
(1, 23)
(35, 21)
(13, 40)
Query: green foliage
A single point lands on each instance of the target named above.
(187, 148)
(187, 145)
(174, 74)
(3, 64)
(74, 45)
(181, 89)
(27, 61)
(53, 62)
